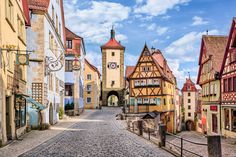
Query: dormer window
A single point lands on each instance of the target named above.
(69, 44)
(113, 53)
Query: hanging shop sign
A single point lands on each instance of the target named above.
(22, 59)
(76, 64)
(53, 64)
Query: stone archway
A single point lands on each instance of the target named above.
(117, 94)
(112, 98)
(189, 125)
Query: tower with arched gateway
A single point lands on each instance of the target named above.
(112, 72)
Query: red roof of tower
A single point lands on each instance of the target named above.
(189, 86)
(112, 43)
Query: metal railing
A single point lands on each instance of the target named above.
(183, 151)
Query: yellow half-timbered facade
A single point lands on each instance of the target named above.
(152, 86)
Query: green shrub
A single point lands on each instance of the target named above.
(61, 112)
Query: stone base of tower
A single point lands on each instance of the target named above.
(118, 93)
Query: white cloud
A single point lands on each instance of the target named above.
(199, 21)
(153, 27)
(187, 47)
(167, 17)
(131, 59)
(94, 22)
(157, 7)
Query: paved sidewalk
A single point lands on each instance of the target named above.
(35, 137)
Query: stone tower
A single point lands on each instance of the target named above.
(112, 72)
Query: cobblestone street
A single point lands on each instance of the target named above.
(96, 133)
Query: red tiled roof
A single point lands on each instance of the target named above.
(214, 46)
(112, 43)
(93, 67)
(160, 59)
(129, 70)
(189, 86)
(41, 5)
(232, 30)
(26, 12)
(70, 34)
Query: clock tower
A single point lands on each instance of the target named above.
(112, 72)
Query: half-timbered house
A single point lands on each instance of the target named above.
(228, 85)
(210, 60)
(152, 86)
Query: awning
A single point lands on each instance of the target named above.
(35, 104)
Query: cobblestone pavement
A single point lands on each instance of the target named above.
(228, 148)
(97, 134)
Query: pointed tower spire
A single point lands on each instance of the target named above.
(112, 32)
(189, 75)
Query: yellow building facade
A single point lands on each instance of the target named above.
(13, 21)
(92, 83)
(152, 87)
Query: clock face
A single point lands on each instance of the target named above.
(113, 65)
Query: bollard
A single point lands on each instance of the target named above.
(162, 132)
(214, 146)
(140, 127)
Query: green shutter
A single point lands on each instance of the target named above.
(158, 101)
(132, 101)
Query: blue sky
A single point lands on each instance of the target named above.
(174, 26)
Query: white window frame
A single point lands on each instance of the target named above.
(145, 100)
(90, 100)
(139, 100)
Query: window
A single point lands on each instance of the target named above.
(89, 88)
(149, 82)
(89, 77)
(21, 29)
(112, 83)
(225, 85)
(145, 100)
(189, 107)
(10, 13)
(189, 114)
(57, 23)
(143, 82)
(211, 89)
(68, 65)
(189, 100)
(189, 94)
(20, 111)
(164, 101)
(188, 88)
(215, 89)
(158, 101)
(37, 92)
(156, 82)
(69, 44)
(51, 41)
(230, 86)
(52, 14)
(234, 83)
(136, 83)
(139, 100)
(113, 53)
(153, 101)
(89, 99)
(132, 101)
(68, 90)
(146, 69)
(226, 115)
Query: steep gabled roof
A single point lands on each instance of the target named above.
(157, 59)
(93, 67)
(41, 5)
(160, 59)
(129, 70)
(70, 34)
(214, 46)
(189, 86)
(233, 27)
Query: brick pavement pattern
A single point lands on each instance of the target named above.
(98, 134)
